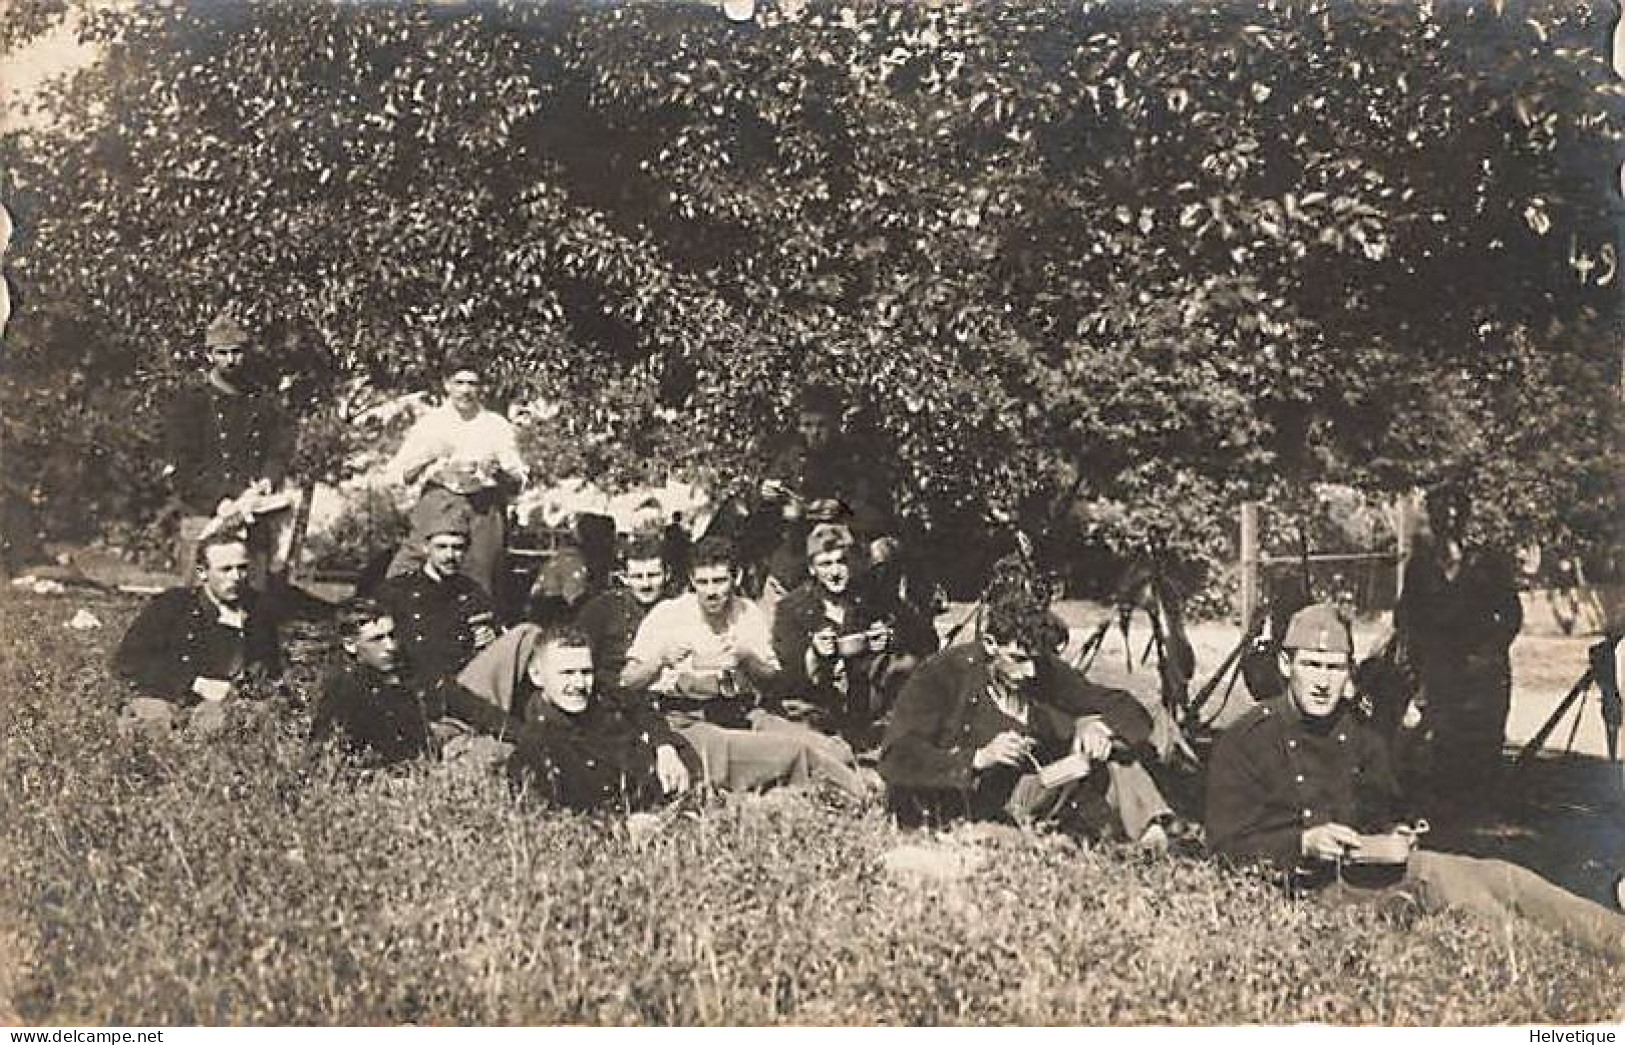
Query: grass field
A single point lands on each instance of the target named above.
(182, 880)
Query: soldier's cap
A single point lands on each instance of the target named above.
(827, 510)
(224, 331)
(828, 537)
(443, 517)
(1320, 627)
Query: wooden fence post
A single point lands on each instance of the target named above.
(1249, 561)
(1402, 544)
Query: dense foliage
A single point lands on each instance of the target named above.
(1116, 263)
(182, 880)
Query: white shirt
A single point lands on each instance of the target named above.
(444, 433)
(680, 621)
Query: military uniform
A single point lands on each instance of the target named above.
(181, 636)
(796, 619)
(602, 758)
(377, 716)
(1460, 631)
(945, 713)
(1276, 774)
(217, 443)
(433, 622)
(220, 442)
(611, 620)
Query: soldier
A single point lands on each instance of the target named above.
(611, 618)
(1458, 614)
(364, 700)
(1301, 783)
(840, 652)
(222, 437)
(581, 749)
(193, 649)
(983, 729)
(821, 474)
(441, 616)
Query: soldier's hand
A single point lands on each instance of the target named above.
(771, 490)
(1007, 749)
(879, 637)
(484, 635)
(669, 768)
(1092, 738)
(1328, 841)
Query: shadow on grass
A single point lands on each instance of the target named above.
(1561, 816)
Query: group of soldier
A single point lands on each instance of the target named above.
(662, 686)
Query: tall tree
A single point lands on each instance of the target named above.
(1109, 262)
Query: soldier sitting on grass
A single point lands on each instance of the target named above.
(705, 659)
(1301, 783)
(1000, 729)
(441, 616)
(839, 651)
(379, 718)
(612, 617)
(191, 652)
(583, 749)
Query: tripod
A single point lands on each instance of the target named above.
(1602, 671)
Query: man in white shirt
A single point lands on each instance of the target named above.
(461, 452)
(706, 660)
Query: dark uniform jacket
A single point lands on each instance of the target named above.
(611, 620)
(603, 758)
(432, 622)
(178, 637)
(1476, 615)
(376, 715)
(944, 714)
(797, 616)
(843, 470)
(1275, 774)
(219, 443)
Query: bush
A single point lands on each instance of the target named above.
(369, 524)
(179, 880)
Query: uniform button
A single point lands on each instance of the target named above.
(1307, 813)
(1299, 778)
(1293, 744)
(1342, 738)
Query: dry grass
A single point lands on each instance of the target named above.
(190, 881)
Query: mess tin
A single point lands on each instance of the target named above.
(1383, 849)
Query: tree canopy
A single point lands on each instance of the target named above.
(1114, 264)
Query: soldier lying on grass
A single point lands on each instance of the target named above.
(582, 749)
(1304, 785)
(192, 651)
(364, 701)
